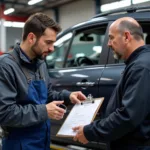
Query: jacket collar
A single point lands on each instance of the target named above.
(25, 59)
(136, 53)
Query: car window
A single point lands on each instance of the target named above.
(86, 48)
(56, 59)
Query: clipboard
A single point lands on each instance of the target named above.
(80, 114)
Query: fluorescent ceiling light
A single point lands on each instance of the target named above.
(8, 24)
(32, 2)
(13, 24)
(18, 24)
(8, 11)
(115, 5)
(139, 1)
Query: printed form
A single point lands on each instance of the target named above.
(81, 114)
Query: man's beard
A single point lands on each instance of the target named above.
(117, 55)
(33, 48)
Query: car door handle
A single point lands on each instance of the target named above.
(85, 84)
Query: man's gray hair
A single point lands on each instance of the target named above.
(135, 29)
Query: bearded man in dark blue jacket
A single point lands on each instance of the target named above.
(27, 100)
(126, 125)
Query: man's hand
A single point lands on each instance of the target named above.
(54, 111)
(80, 135)
(76, 97)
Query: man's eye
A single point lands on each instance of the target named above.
(48, 42)
(110, 37)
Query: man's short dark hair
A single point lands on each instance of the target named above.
(135, 29)
(37, 23)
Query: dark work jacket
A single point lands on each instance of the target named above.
(127, 118)
(15, 111)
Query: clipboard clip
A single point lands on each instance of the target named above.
(88, 100)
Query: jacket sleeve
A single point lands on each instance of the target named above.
(55, 95)
(11, 113)
(133, 111)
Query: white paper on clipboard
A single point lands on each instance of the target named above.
(80, 115)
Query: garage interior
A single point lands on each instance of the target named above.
(13, 14)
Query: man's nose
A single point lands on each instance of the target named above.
(51, 48)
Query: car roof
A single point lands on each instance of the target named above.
(139, 13)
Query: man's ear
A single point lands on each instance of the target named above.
(127, 36)
(32, 38)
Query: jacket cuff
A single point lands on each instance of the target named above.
(88, 133)
(43, 112)
(66, 95)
